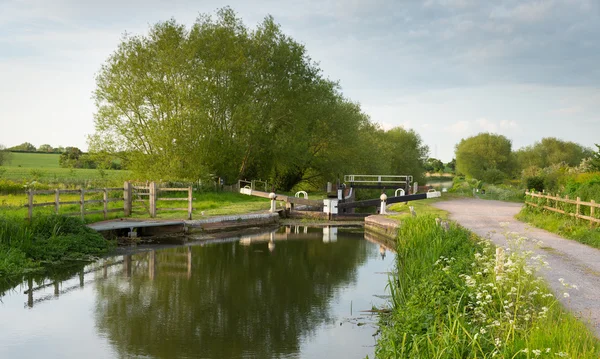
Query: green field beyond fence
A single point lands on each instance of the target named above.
(44, 168)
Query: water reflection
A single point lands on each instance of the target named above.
(264, 296)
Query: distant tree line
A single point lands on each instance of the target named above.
(220, 99)
(70, 157)
(489, 157)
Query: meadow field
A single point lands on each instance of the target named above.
(44, 168)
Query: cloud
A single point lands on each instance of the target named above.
(486, 125)
(568, 110)
(532, 11)
(459, 128)
(506, 124)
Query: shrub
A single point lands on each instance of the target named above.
(535, 182)
(493, 176)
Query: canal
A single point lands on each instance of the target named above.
(296, 292)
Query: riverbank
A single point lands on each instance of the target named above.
(454, 297)
(45, 242)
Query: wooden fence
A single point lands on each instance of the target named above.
(81, 202)
(147, 196)
(571, 207)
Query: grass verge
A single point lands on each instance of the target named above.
(566, 226)
(453, 297)
(47, 241)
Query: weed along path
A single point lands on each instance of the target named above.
(570, 262)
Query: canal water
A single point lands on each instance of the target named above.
(293, 293)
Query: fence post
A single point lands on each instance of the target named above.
(152, 199)
(127, 198)
(56, 200)
(82, 202)
(30, 204)
(556, 199)
(577, 207)
(190, 200)
(592, 208)
(105, 203)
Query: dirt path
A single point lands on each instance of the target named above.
(574, 262)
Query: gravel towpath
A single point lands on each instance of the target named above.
(574, 262)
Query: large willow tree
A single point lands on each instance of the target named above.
(220, 99)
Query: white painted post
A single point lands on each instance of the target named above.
(329, 187)
(383, 199)
(415, 187)
(273, 198)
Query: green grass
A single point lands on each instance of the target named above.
(204, 204)
(68, 176)
(566, 226)
(422, 207)
(34, 160)
(450, 300)
(47, 241)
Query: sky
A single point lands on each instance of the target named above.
(448, 69)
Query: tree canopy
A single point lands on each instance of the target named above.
(223, 100)
(551, 151)
(25, 146)
(485, 153)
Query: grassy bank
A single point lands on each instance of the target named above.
(204, 204)
(566, 226)
(47, 241)
(452, 298)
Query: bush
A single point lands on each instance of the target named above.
(47, 239)
(493, 176)
(535, 182)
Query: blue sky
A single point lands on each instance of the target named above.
(448, 69)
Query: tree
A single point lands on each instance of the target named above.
(405, 153)
(25, 146)
(595, 159)
(452, 165)
(434, 165)
(223, 100)
(484, 152)
(70, 158)
(5, 155)
(551, 151)
(45, 148)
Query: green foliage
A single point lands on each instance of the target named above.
(224, 100)
(566, 226)
(450, 300)
(73, 157)
(45, 148)
(46, 240)
(25, 147)
(595, 159)
(434, 165)
(493, 176)
(551, 151)
(535, 183)
(478, 154)
(5, 156)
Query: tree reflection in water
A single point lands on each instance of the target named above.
(226, 300)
